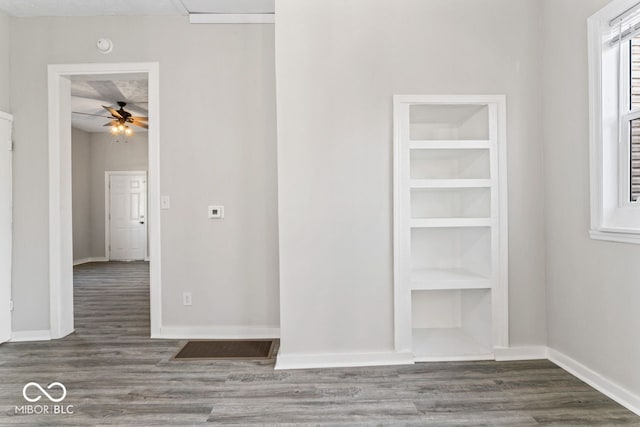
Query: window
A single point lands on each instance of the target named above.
(629, 120)
(614, 102)
(634, 83)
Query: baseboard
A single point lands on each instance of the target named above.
(219, 332)
(461, 358)
(22, 336)
(605, 386)
(505, 354)
(341, 360)
(87, 260)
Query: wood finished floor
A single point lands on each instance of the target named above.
(115, 375)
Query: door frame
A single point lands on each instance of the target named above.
(60, 210)
(9, 118)
(107, 211)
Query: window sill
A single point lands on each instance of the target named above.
(615, 236)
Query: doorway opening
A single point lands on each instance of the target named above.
(124, 202)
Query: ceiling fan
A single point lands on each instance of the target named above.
(121, 118)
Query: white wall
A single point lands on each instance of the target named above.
(593, 287)
(338, 64)
(5, 43)
(81, 190)
(109, 156)
(217, 130)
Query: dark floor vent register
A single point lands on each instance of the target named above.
(226, 349)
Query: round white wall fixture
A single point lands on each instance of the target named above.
(104, 45)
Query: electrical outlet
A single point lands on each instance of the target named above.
(186, 299)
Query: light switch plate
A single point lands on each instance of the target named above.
(215, 212)
(165, 202)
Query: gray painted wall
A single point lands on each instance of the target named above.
(81, 190)
(593, 287)
(219, 149)
(334, 87)
(5, 44)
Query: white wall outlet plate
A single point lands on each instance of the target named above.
(186, 299)
(215, 212)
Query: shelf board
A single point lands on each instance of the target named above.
(449, 144)
(447, 344)
(450, 222)
(450, 183)
(447, 279)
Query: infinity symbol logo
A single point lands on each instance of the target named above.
(43, 391)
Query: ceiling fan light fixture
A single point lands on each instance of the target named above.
(119, 125)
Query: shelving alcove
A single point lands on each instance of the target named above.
(450, 226)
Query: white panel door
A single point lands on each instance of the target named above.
(5, 228)
(128, 217)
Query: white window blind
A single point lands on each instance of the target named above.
(625, 35)
(635, 124)
(627, 25)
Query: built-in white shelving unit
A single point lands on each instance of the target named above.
(450, 226)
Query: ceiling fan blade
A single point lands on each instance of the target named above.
(140, 124)
(101, 100)
(113, 112)
(112, 123)
(141, 119)
(107, 89)
(89, 114)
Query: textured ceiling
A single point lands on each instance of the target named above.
(88, 97)
(33, 8)
(229, 6)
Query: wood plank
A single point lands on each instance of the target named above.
(116, 375)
